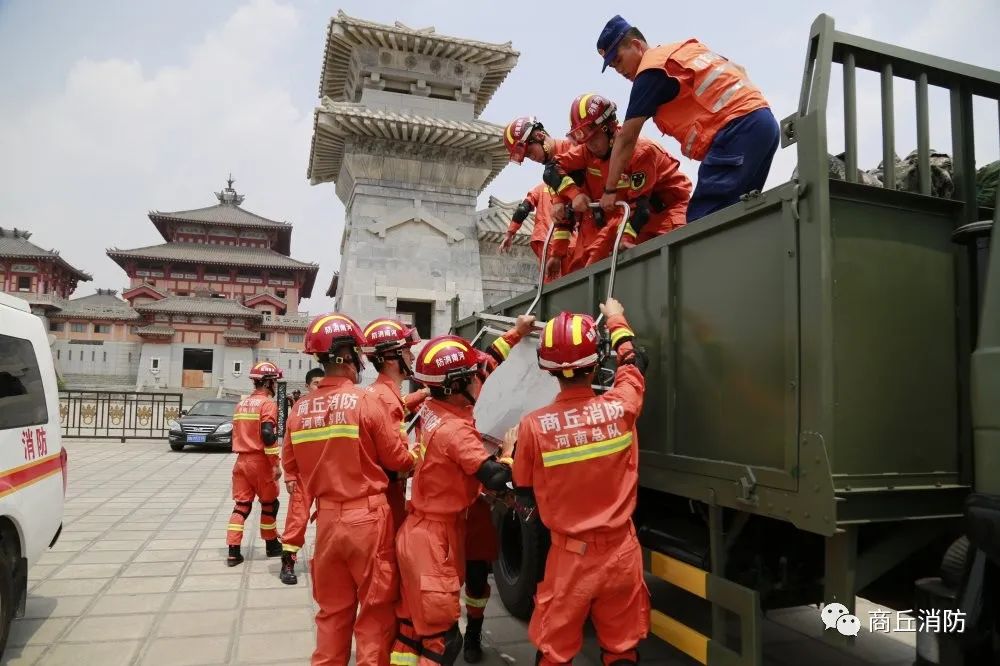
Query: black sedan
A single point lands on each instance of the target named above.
(207, 423)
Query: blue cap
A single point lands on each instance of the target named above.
(611, 36)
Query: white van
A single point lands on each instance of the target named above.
(32, 459)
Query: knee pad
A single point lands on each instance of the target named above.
(452, 647)
(243, 508)
(273, 511)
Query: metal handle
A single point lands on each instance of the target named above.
(614, 253)
(541, 269)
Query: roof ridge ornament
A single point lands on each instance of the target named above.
(229, 195)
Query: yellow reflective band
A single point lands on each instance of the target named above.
(403, 659)
(272, 450)
(577, 327)
(548, 332)
(324, 320)
(233, 527)
(246, 417)
(326, 432)
(681, 574)
(475, 603)
(289, 548)
(402, 427)
(443, 345)
(583, 106)
(620, 333)
(269, 526)
(501, 346)
(561, 235)
(593, 171)
(681, 636)
(629, 231)
(510, 135)
(549, 190)
(566, 182)
(606, 447)
(382, 322)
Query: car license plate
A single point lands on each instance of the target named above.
(195, 438)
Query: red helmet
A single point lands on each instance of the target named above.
(388, 335)
(587, 114)
(569, 341)
(265, 370)
(448, 358)
(329, 331)
(517, 136)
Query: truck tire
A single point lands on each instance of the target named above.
(955, 563)
(522, 549)
(7, 600)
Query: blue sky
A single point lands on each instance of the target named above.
(112, 109)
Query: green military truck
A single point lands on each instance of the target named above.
(822, 416)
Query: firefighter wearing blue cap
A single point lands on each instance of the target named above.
(704, 101)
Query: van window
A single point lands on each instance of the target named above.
(22, 395)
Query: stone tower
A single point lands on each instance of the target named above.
(398, 131)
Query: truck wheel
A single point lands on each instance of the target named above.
(176, 447)
(522, 550)
(6, 600)
(955, 563)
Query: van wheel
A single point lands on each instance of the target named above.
(6, 600)
(176, 447)
(522, 550)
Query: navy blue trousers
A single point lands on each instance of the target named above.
(737, 162)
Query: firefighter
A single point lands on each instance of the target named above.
(455, 466)
(527, 137)
(576, 461)
(341, 443)
(388, 346)
(653, 184)
(257, 470)
(704, 101)
(299, 506)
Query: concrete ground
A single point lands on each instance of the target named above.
(137, 577)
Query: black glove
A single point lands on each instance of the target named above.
(521, 212)
(599, 220)
(640, 213)
(638, 357)
(552, 176)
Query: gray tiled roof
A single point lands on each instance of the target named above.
(241, 335)
(335, 121)
(346, 32)
(225, 214)
(207, 306)
(287, 321)
(155, 330)
(14, 244)
(225, 255)
(492, 222)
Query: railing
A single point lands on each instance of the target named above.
(117, 415)
(963, 82)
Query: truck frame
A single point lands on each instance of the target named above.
(822, 415)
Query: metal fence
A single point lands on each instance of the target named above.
(117, 415)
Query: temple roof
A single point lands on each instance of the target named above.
(14, 244)
(105, 304)
(335, 121)
(346, 32)
(220, 255)
(241, 335)
(492, 222)
(155, 330)
(296, 321)
(226, 307)
(226, 213)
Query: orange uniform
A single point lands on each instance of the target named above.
(398, 408)
(431, 544)
(297, 517)
(253, 473)
(580, 456)
(341, 442)
(652, 174)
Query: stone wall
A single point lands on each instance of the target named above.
(104, 358)
(506, 275)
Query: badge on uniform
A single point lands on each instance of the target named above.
(638, 180)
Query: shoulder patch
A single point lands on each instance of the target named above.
(638, 180)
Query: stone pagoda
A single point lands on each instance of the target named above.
(398, 131)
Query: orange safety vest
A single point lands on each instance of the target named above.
(713, 92)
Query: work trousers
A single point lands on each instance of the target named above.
(253, 476)
(296, 520)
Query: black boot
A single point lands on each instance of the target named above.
(234, 556)
(472, 649)
(273, 547)
(287, 574)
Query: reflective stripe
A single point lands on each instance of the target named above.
(577, 328)
(272, 450)
(548, 332)
(566, 182)
(318, 325)
(692, 135)
(620, 333)
(233, 527)
(403, 659)
(326, 432)
(561, 235)
(726, 96)
(429, 356)
(501, 346)
(289, 548)
(712, 76)
(475, 603)
(269, 526)
(606, 447)
(583, 106)
(382, 322)
(246, 417)
(402, 427)
(629, 231)
(593, 171)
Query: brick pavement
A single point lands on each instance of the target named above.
(138, 577)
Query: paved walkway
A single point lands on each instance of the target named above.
(137, 577)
